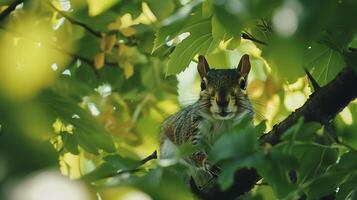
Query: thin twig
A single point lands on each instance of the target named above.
(136, 169)
(247, 36)
(9, 9)
(131, 41)
(76, 22)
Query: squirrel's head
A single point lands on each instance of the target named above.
(223, 91)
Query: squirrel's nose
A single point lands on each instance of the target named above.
(222, 102)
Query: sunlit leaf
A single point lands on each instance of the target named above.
(30, 66)
(199, 41)
(161, 9)
(88, 133)
(323, 63)
(97, 7)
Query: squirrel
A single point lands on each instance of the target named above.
(223, 100)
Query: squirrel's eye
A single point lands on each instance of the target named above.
(203, 85)
(242, 83)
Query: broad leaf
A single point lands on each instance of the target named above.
(200, 41)
(323, 63)
(87, 131)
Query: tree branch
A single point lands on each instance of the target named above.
(9, 9)
(322, 106)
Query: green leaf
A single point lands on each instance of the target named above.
(161, 9)
(342, 174)
(182, 13)
(132, 7)
(103, 171)
(163, 184)
(314, 158)
(347, 189)
(323, 63)
(226, 177)
(199, 41)
(218, 30)
(87, 131)
(275, 170)
(285, 56)
(171, 31)
(324, 185)
(234, 145)
(113, 165)
(70, 143)
(231, 22)
(121, 163)
(347, 162)
(301, 131)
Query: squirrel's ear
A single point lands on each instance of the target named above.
(244, 66)
(202, 66)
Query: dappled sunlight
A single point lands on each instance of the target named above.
(346, 116)
(24, 73)
(296, 94)
(97, 7)
(70, 165)
(96, 99)
(294, 100)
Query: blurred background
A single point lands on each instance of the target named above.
(85, 84)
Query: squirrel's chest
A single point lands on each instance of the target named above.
(211, 131)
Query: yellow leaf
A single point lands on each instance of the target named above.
(96, 7)
(99, 60)
(110, 42)
(128, 70)
(102, 43)
(115, 25)
(57, 126)
(123, 48)
(128, 31)
(57, 142)
(60, 127)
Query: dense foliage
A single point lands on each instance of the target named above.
(85, 85)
